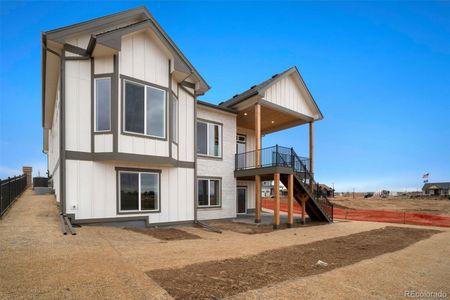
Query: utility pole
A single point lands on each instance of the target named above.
(353, 193)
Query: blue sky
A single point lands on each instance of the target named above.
(379, 71)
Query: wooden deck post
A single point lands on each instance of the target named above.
(257, 199)
(311, 152)
(258, 162)
(276, 211)
(290, 200)
(303, 211)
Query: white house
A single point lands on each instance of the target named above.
(127, 139)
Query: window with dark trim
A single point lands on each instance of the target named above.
(174, 119)
(102, 104)
(209, 192)
(139, 191)
(144, 109)
(209, 139)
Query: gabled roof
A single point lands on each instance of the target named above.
(441, 185)
(260, 88)
(106, 29)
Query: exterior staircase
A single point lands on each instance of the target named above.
(317, 205)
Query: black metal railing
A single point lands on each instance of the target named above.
(287, 157)
(10, 190)
(269, 157)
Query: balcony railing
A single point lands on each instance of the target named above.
(275, 156)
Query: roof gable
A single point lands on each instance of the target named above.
(107, 32)
(292, 76)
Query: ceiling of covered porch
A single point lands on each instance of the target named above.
(273, 118)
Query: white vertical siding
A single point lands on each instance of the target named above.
(287, 93)
(250, 185)
(186, 126)
(78, 105)
(223, 168)
(141, 57)
(92, 191)
(103, 143)
(104, 65)
(250, 138)
(54, 135)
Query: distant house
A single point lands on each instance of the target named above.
(436, 188)
(328, 190)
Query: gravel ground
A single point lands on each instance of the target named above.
(38, 262)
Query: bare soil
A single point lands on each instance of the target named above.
(166, 234)
(428, 205)
(228, 277)
(240, 227)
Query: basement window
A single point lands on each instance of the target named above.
(209, 192)
(139, 191)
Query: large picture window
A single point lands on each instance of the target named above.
(139, 191)
(209, 139)
(144, 109)
(102, 104)
(208, 192)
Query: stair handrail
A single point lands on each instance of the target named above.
(313, 184)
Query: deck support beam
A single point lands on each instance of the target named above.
(311, 153)
(276, 212)
(290, 199)
(257, 199)
(303, 201)
(258, 162)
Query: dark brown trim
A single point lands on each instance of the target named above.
(115, 103)
(187, 91)
(188, 84)
(128, 157)
(239, 174)
(206, 156)
(122, 105)
(75, 50)
(62, 136)
(136, 170)
(203, 177)
(221, 108)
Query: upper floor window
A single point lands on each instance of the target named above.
(209, 139)
(102, 104)
(174, 119)
(144, 109)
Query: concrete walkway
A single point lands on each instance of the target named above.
(38, 262)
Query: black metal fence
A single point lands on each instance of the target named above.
(10, 190)
(40, 182)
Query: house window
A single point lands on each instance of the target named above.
(139, 191)
(209, 192)
(102, 104)
(144, 110)
(175, 119)
(209, 139)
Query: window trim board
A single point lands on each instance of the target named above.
(136, 170)
(98, 77)
(207, 156)
(220, 192)
(136, 81)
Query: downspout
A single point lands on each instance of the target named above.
(61, 121)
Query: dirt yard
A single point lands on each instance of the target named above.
(39, 262)
(220, 279)
(434, 206)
